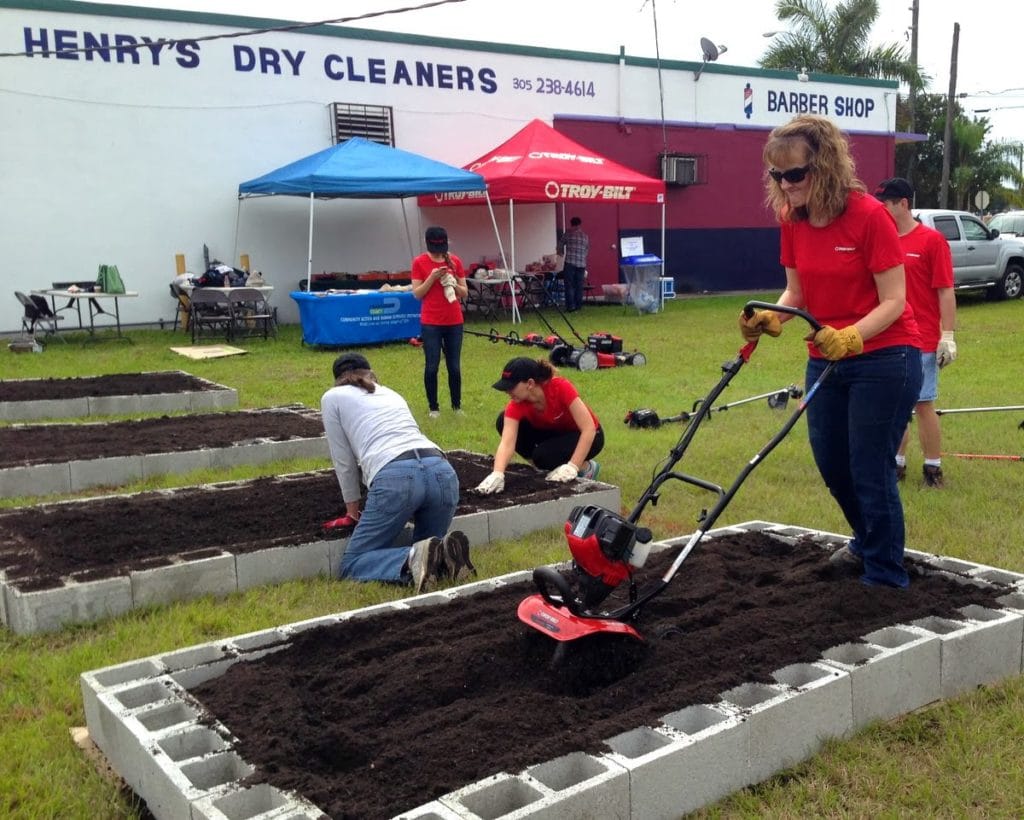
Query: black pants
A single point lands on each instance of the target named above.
(548, 449)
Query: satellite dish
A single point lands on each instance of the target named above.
(710, 50)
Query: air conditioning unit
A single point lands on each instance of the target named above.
(679, 170)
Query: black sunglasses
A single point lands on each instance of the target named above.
(792, 176)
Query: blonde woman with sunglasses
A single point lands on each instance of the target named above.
(844, 265)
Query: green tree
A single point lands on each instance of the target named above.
(835, 41)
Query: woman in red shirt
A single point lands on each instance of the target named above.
(545, 422)
(439, 282)
(844, 265)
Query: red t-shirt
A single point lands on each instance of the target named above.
(929, 266)
(435, 309)
(836, 265)
(559, 393)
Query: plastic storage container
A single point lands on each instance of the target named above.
(643, 275)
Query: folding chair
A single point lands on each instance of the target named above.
(250, 313)
(210, 309)
(38, 312)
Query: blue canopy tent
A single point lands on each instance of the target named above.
(359, 168)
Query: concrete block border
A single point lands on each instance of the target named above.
(62, 478)
(219, 575)
(215, 397)
(142, 717)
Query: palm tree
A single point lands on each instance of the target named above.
(835, 41)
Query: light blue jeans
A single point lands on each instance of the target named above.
(424, 491)
(855, 423)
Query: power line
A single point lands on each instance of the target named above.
(233, 34)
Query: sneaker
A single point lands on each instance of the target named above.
(434, 414)
(455, 551)
(901, 472)
(933, 476)
(458, 411)
(844, 556)
(425, 563)
(591, 471)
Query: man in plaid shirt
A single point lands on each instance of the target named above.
(574, 245)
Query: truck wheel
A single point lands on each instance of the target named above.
(1011, 285)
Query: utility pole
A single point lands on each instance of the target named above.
(912, 98)
(947, 138)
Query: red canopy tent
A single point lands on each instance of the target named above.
(539, 164)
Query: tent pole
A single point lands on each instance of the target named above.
(516, 318)
(661, 288)
(238, 216)
(309, 257)
(408, 236)
(497, 235)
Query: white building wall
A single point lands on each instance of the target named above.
(131, 159)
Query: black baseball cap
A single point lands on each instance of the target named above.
(517, 370)
(350, 361)
(437, 240)
(895, 188)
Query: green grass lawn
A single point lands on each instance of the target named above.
(957, 759)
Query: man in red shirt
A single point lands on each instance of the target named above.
(929, 267)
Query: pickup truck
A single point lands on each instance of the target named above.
(982, 260)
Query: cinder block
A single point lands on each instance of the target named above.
(101, 681)
(278, 564)
(205, 400)
(896, 670)
(100, 472)
(262, 802)
(35, 479)
(514, 522)
(502, 795)
(788, 722)
(184, 580)
(984, 649)
(697, 757)
(43, 409)
(154, 464)
(164, 403)
(46, 610)
(114, 405)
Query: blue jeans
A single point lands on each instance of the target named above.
(855, 423)
(446, 338)
(574, 276)
(425, 491)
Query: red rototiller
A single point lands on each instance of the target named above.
(607, 548)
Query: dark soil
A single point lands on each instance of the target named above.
(121, 384)
(110, 536)
(374, 716)
(26, 444)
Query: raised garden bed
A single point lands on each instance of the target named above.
(444, 706)
(81, 560)
(118, 394)
(50, 459)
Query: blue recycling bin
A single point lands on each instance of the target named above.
(643, 275)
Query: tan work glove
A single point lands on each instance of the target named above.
(567, 472)
(494, 483)
(763, 321)
(946, 351)
(448, 282)
(837, 344)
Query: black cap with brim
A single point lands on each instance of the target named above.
(517, 370)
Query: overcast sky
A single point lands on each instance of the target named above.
(988, 59)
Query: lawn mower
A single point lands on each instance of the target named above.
(608, 548)
(646, 418)
(599, 350)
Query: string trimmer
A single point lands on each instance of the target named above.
(646, 418)
(608, 548)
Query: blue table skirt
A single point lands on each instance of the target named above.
(342, 319)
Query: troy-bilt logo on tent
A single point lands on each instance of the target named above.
(571, 190)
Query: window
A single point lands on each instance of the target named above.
(681, 169)
(372, 122)
(973, 229)
(946, 225)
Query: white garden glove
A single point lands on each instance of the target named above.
(494, 483)
(946, 351)
(567, 472)
(448, 282)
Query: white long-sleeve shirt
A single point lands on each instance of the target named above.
(365, 431)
